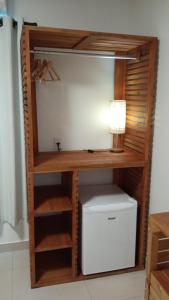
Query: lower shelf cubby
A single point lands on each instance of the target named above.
(53, 232)
(53, 266)
(50, 199)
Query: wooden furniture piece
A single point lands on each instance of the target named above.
(157, 281)
(53, 210)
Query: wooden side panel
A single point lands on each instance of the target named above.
(28, 123)
(140, 83)
(30, 191)
(28, 113)
(34, 110)
(140, 93)
(70, 182)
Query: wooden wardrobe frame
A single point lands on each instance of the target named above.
(56, 260)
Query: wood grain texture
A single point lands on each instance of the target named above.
(66, 161)
(161, 221)
(160, 283)
(84, 40)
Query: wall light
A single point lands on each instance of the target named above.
(117, 123)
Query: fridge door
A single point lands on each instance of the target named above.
(108, 240)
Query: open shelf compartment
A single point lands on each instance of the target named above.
(53, 232)
(53, 267)
(51, 199)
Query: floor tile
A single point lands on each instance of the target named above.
(15, 284)
(6, 261)
(71, 291)
(6, 276)
(21, 259)
(136, 298)
(128, 286)
(22, 290)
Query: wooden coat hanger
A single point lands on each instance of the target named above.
(44, 71)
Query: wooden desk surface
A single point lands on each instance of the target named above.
(70, 160)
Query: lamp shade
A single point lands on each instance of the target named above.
(117, 117)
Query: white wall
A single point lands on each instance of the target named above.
(151, 17)
(108, 16)
(75, 109)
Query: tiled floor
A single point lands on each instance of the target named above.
(15, 284)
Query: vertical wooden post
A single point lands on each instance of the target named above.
(75, 200)
(34, 112)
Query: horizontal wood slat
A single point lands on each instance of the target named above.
(137, 70)
(132, 183)
(163, 256)
(164, 244)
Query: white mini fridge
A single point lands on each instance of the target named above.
(108, 229)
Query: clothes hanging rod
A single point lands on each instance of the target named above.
(82, 53)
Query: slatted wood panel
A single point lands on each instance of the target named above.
(136, 94)
(133, 182)
(110, 42)
(84, 40)
(56, 38)
(163, 253)
(139, 92)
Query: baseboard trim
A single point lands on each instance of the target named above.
(8, 247)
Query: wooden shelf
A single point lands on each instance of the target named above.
(51, 199)
(53, 267)
(46, 162)
(53, 232)
(53, 241)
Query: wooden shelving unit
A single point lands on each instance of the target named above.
(53, 210)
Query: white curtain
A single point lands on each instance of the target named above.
(8, 116)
